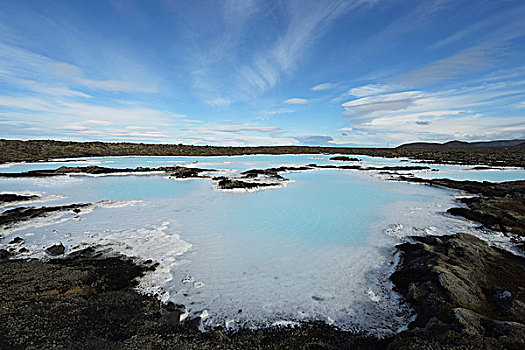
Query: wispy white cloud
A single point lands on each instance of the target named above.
(323, 86)
(441, 115)
(368, 90)
(75, 75)
(467, 61)
(296, 101)
(315, 140)
(219, 101)
(499, 26)
(365, 90)
(301, 24)
(247, 128)
(277, 111)
(385, 102)
(21, 66)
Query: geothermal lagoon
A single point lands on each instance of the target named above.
(320, 246)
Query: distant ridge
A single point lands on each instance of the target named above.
(463, 144)
(500, 143)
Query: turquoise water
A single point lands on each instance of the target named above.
(455, 172)
(319, 249)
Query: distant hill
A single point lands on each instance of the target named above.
(462, 144)
(501, 143)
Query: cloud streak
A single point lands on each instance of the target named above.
(435, 116)
(323, 86)
(296, 101)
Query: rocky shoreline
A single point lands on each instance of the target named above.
(467, 294)
(246, 180)
(496, 206)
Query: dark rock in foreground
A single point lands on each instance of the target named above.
(56, 249)
(461, 284)
(17, 240)
(5, 254)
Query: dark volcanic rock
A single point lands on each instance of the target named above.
(56, 249)
(225, 183)
(178, 171)
(345, 159)
(466, 284)
(4, 254)
(19, 214)
(253, 173)
(482, 168)
(11, 197)
(398, 168)
(273, 172)
(504, 299)
(184, 172)
(498, 206)
(383, 168)
(17, 240)
(91, 169)
(343, 167)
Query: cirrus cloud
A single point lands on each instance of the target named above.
(296, 101)
(323, 86)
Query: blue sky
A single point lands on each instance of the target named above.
(242, 72)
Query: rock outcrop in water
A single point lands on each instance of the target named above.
(20, 214)
(177, 171)
(249, 179)
(12, 197)
(225, 183)
(182, 172)
(497, 206)
(346, 159)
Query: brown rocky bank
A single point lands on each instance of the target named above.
(459, 283)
